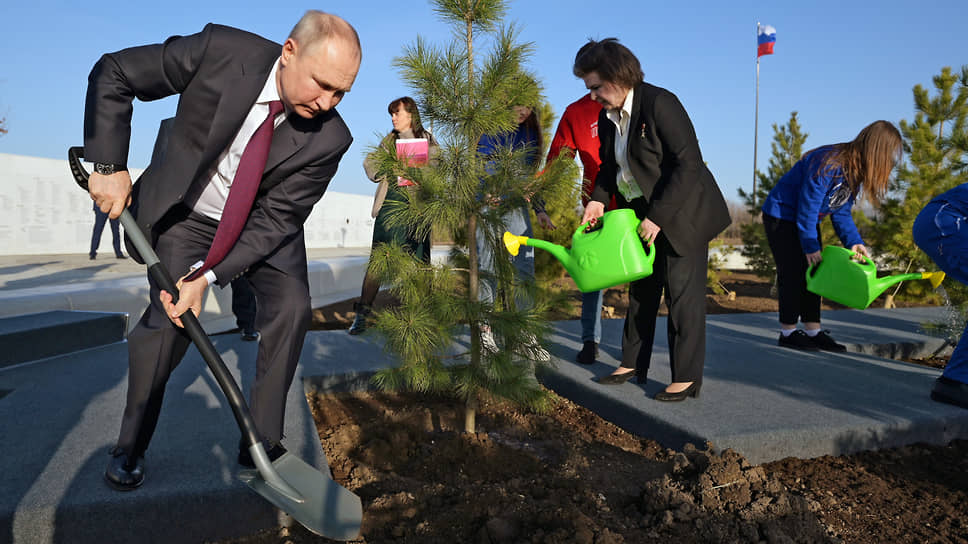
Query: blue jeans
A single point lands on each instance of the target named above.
(591, 317)
(100, 218)
(942, 233)
(519, 223)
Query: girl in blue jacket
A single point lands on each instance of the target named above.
(825, 181)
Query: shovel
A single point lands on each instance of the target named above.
(290, 484)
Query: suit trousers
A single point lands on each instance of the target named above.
(243, 305)
(156, 346)
(683, 278)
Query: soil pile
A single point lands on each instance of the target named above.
(570, 477)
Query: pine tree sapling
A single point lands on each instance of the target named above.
(465, 95)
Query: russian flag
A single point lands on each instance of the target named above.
(765, 39)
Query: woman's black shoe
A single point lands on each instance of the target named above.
(124, 473)
(616, 379)
(691, 391)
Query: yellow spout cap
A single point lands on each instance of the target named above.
(513, 243)
(935, 277)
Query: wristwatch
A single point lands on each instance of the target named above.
(106, 169)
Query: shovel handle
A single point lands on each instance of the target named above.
(163, 279)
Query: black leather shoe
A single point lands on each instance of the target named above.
(588, 353)
(245, 458)
(250, 336)
(616, 379)
(121, 256)
(691, 391)
(123, 473)
(950, 391)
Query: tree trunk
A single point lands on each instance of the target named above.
(470, 414)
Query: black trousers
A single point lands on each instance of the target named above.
(796, 303)
(243, 304)
(683, 277)
(156, 346)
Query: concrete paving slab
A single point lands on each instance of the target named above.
(60, 418)
(769, 402)
(30, 337)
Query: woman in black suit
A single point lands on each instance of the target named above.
(651, 163)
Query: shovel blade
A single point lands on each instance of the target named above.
(327, 509)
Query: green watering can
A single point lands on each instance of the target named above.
(608, 255)
(844, 280)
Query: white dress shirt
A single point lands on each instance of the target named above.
(623, 176)
(211, 200)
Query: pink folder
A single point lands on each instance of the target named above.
(416, 151)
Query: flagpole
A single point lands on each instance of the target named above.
(756, 121)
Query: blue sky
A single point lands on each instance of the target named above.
(840, 64)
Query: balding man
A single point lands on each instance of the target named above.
(256, 136)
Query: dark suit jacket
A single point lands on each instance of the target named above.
(681, 195)
(218, 74)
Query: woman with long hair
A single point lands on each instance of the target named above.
(825, 181)
(405, 117)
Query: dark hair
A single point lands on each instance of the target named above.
(410, 105)
(868, 159)
(612, 61)
(532, 125)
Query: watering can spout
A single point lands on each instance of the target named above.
(935, 277)
(609, 255)
(855, 284)
(513, 244)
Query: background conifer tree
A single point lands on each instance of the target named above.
(935, 160)
(463, 95)
(786, 149)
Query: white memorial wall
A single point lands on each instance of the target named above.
(43, 211)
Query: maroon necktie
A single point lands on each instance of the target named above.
(242, 192)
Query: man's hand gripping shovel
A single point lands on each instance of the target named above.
(292, 485)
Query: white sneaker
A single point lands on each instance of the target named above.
(487, 340)
(534, 349)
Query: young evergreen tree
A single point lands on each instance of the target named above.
(465, 95)
(787, 147)
(935, 158)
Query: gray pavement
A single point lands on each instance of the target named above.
(59, 416)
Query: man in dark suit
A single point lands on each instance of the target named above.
(651, 163)
(231, 84)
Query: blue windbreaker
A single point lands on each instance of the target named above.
(805, 197)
